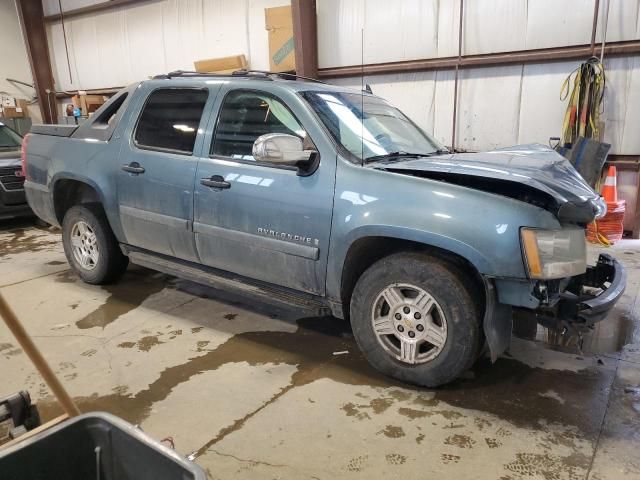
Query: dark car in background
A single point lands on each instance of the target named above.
(12, 199)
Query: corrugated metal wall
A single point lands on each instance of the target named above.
(127, 44)
(498, 106)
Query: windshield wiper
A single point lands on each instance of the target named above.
(400, 154)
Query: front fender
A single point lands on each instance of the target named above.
(481, 227)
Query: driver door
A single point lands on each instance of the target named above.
(260, 220)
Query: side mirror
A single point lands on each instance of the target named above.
(282, 149)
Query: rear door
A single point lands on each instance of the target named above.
(157, 169)
(264, 221)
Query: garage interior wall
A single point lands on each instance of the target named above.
(127, 44)
(14, 62)
(497, 106)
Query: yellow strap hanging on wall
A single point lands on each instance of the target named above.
(582, 116)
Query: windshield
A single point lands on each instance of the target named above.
(368, 126)
(9, 140)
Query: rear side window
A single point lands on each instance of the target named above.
(170, 118)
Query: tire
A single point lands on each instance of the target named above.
(88, 225)
(450, 337)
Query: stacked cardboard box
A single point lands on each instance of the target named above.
(88, 103)
(13, 107)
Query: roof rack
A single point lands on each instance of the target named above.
(278, 74)
(187, 73)
(238, 73)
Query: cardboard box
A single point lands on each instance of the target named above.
(13, 112)
(17, 110)
(279, 24)
(221, 65)
(7, 101)
(88, 103)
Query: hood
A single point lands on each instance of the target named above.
(10, 158)
(534, 174)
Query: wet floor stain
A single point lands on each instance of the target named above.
(124, 296)
(449, 458)
(395, 459)
(147, 343)
(8, 350)
(357, 464)
(509, 389)
(392, 431)
(493, 442)
(548, 466)
(460, 441)
(144, 344)
(56, 262)
(23, 240)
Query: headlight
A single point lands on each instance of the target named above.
(554, 253)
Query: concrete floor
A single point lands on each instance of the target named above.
(258, 391)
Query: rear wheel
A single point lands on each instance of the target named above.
(90, 246)
(416, 318)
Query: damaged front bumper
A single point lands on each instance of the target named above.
(587, 299)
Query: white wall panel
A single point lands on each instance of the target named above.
(617, 103)
(488, 109)
(144, 39)
(631, 127)
(127, 44)
(340, 24)
(623, 20)
(448, 24)
(224, 25)
(443, 115)
(400, 30)
(541, 110)
(413, 93)
(393, 31)
(552, 23)
(494, 26)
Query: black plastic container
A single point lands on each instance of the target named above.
(94, 446)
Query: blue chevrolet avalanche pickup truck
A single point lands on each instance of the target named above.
(326, 197)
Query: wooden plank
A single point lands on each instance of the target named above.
(38, 360)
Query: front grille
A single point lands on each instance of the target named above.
(9, 179)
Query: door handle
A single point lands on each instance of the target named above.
(133, 167)
(216, 181)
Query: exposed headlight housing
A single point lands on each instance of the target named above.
(601, 207)
(553, 254)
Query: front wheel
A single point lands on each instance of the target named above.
(416, 318)
(90, 246)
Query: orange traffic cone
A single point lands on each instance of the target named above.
(609, 189)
